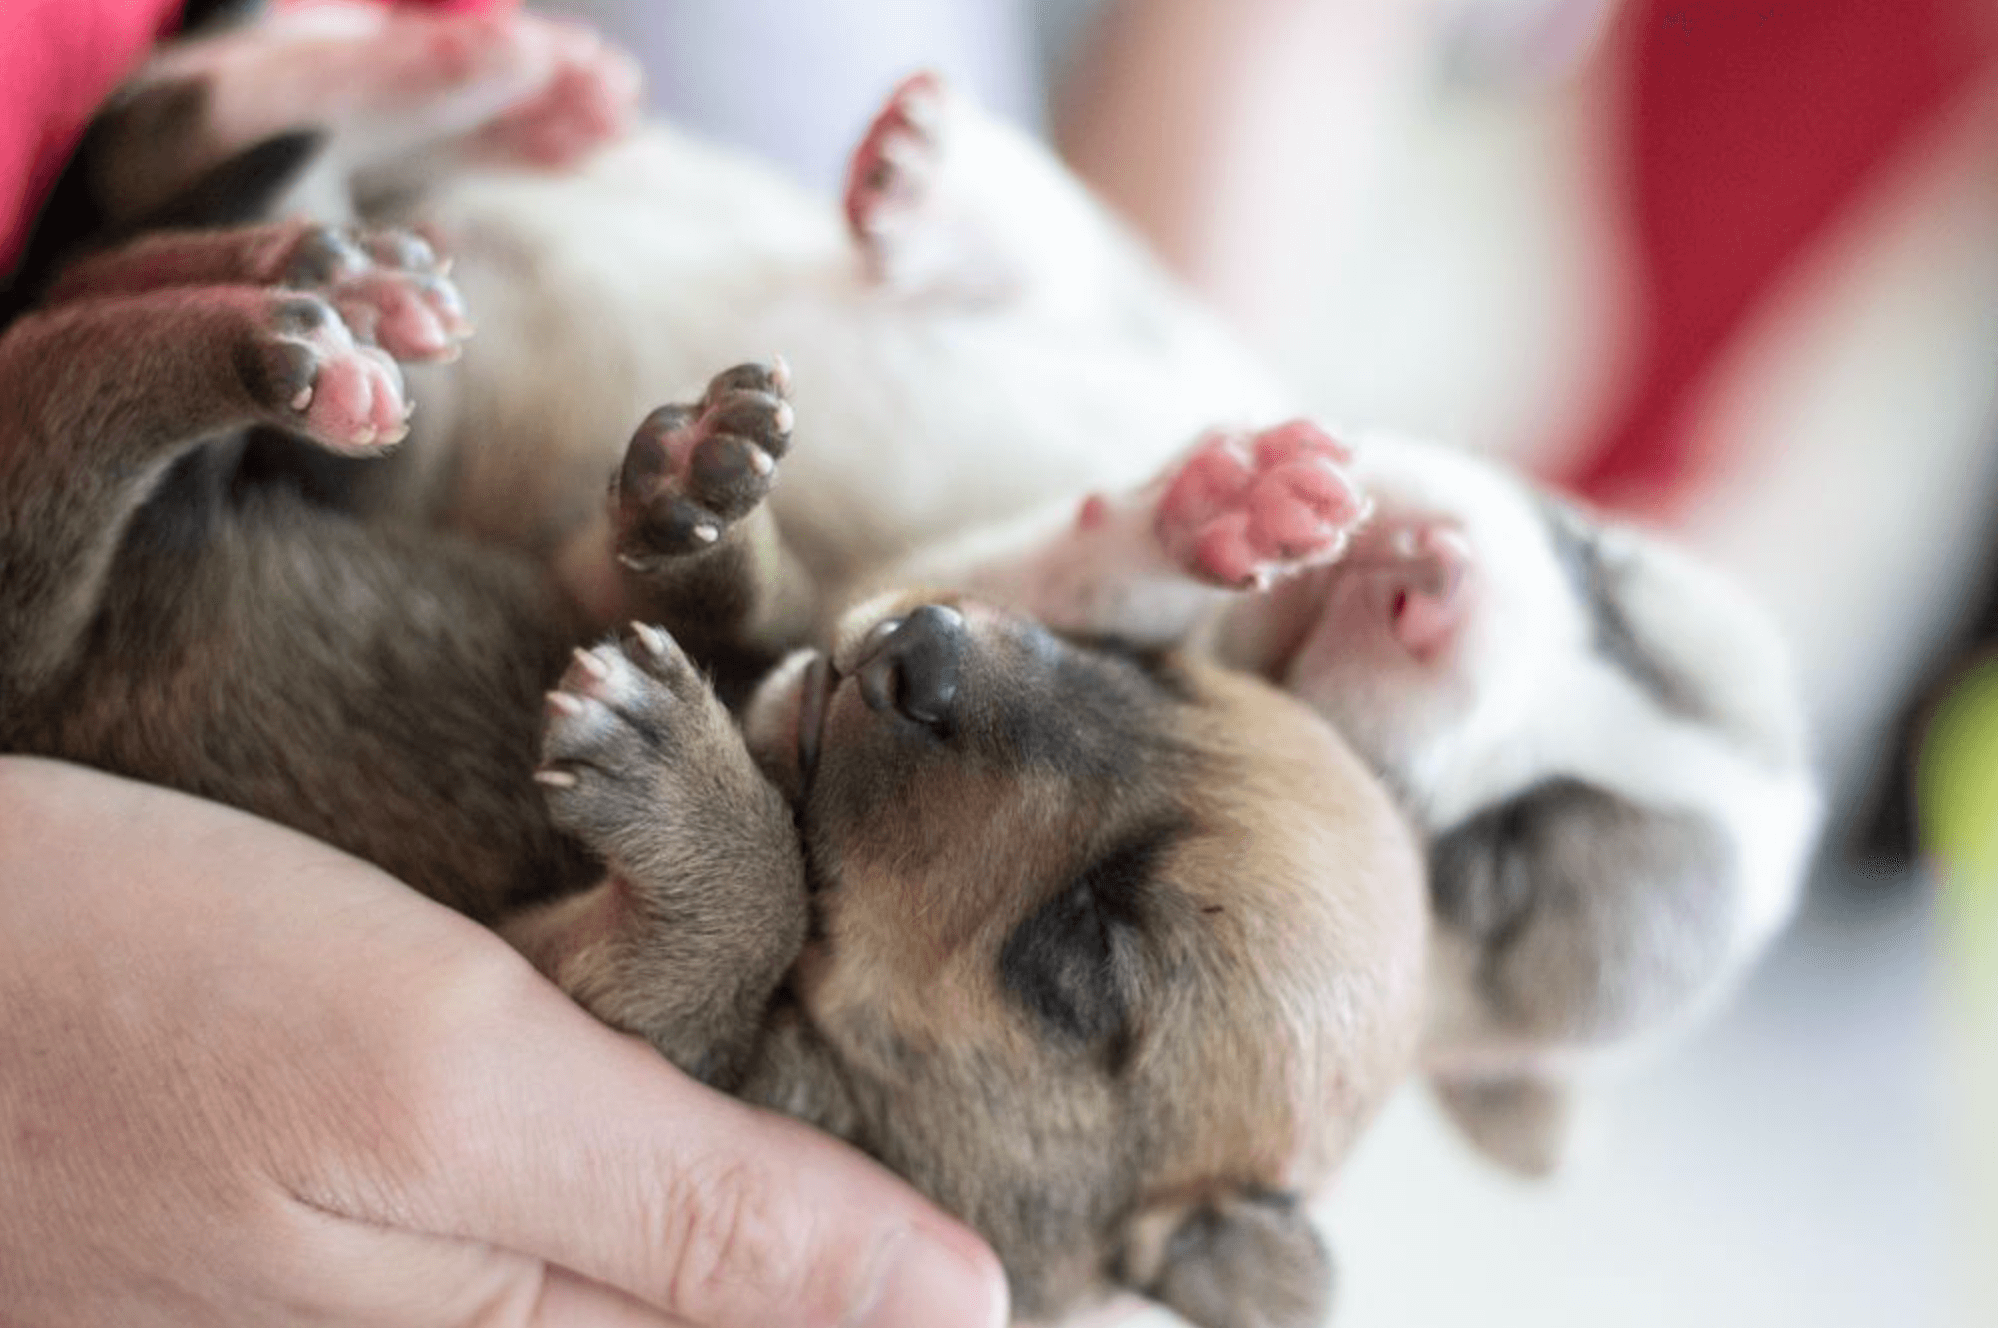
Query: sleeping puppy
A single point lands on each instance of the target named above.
(1598, 739)
(1595, 735)
(1109, 951)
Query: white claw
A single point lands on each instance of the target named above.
(564, 704)
(760, 462)
(591, 664)
(366, 437)
(303, 399)
(652, 639)
(707, 534)
(780, 374)
(561, 779)
(783, 417)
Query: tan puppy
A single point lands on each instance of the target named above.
(1112, 954)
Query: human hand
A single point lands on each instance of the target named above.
(245, 1079)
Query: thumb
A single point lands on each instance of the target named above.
(588, 1149)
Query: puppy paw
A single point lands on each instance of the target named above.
(303, 365)
(629, 733)
(888, 182)
(691, 472)
(591, 98)
(1243, 509)
(390, 287)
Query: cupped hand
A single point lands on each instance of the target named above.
(245, 1079)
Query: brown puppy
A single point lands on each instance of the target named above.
(1112, 955)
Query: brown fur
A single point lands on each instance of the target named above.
(1124, 954)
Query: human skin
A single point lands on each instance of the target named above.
(245, 1079)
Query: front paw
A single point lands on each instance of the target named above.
(1243, 509)
(691, 472)
(633, 743)
(303, 365)
(389, 285)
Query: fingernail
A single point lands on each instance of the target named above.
(935, 1279)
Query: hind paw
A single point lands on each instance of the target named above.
(310, 373)
(1246, 508)
(691, 472)
(390, 287)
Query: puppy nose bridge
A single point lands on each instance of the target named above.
(912, 664)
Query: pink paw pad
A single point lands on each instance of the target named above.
(889, 178)
(344, 394)
(390, 288)
(1244, 509)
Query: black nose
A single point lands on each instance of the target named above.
(911, 664)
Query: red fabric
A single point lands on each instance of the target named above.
(58, 60)
(1749, 125)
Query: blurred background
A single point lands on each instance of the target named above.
(1729, 267)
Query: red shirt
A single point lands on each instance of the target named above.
(58, 61)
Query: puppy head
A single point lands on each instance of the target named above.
(1600, 738)
(1118, 951)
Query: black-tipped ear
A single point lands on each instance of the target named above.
(1521, 1123)
(1249, 1261)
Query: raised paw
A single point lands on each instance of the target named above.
(630, 723)
(1245, 508)
(692, 471)
(888, 183)
(389, 285)
(590, 98)
(314, 377)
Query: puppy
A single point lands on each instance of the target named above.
(1598, 739)
(1110, 952)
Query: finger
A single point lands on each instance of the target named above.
(570, 1301)
(589, 1150)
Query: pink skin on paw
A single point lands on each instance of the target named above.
(355, 402)
(412, 316)
(1428, 596)
(889, 176)
(591, 99)
(1244, 509)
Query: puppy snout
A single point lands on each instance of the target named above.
(911, 665)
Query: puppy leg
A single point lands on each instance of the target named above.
(1236, 512)
(100, 397)
(943, 200)
(700, 549)
(389, 286)
(705, 907)
(390, 83)
(1522, 1122)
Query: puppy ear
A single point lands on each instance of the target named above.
(1592, 916)
(1075, 962)
(1521, 1123)
(1249, 1260)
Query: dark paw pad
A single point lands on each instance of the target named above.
(692, 471)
